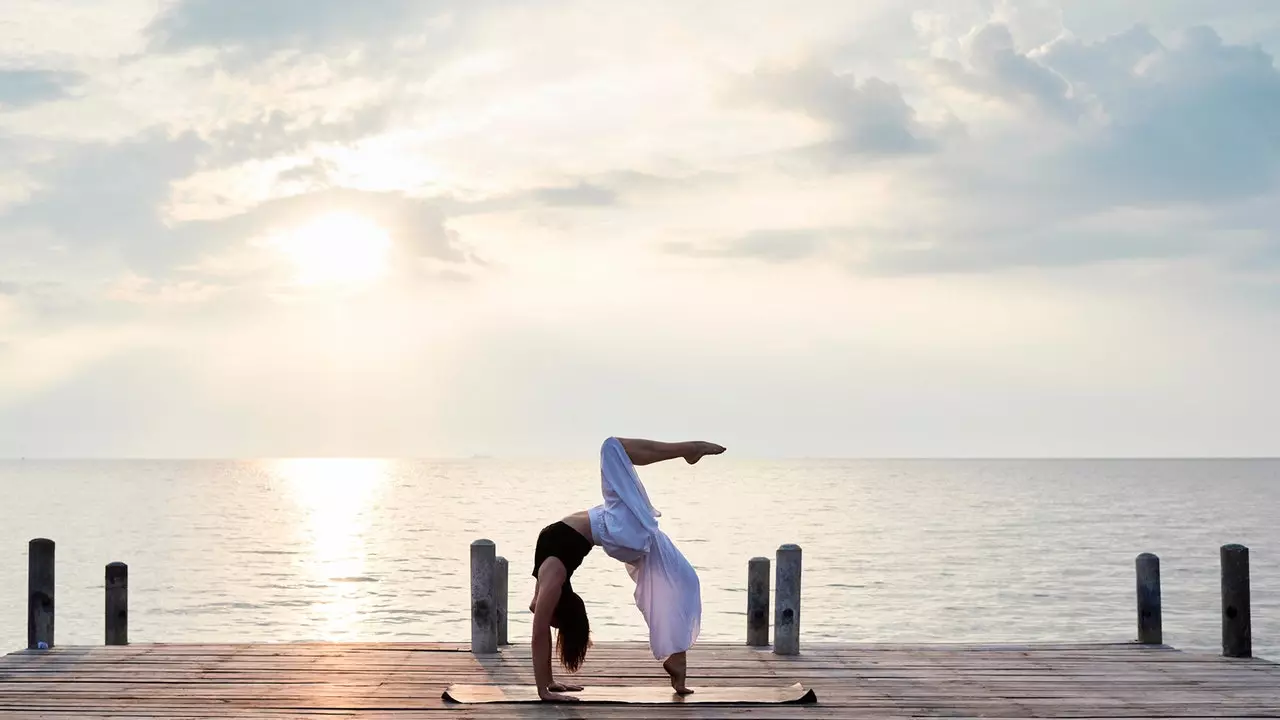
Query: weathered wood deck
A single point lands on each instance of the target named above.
(405, 680)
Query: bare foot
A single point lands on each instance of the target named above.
(702, 448)
(676, 667)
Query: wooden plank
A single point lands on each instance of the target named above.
(405, 680)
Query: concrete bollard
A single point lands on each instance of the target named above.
(758, 602)
(786, 612)
(40, 586)
(1150, 630)
(1237, 633)
(117, 587)
(500, 577)
(484, 639)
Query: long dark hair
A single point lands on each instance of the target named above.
(574, 631)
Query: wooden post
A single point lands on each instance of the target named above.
(1150, 630)
(500, 573)
(117, 586)
(758, 602)
(1237, 634)
(40, 593)
(786, 612)
(484, 639)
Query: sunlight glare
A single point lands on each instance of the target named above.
(339, 248)
(336, 495)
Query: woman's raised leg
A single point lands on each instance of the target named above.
(647, 452)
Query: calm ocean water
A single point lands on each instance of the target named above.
(894, 550)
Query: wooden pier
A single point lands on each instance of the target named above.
(1142, 679)
(406, 680)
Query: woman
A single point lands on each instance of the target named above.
(626, 526)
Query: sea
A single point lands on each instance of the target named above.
(331, 549)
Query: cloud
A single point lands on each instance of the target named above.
(133, 288)
(1102, 68)
(869, 118)
(1052, 246)
(598, 190)
(105, 196)
(937, 242)
(366, 40)
(418, 225)
(772, 246)
(276, 132)
(1194, 122)
(1137, 151)
(317, 172)
(46, 300)
(106, 201)
(1121, 148)
(1174, 139)
(494, 146)
(582, 194)
(23, 88)
(999, 70)
(261, 28)
(1189, 122)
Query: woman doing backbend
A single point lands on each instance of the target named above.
(625, 525)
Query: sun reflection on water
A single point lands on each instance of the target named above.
(335, 496)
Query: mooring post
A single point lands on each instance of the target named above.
(40, 594)
(786, 612)
(117, 587)
(500, 596)
(484, 639)
(1237, 634)
(758, 602)
(1150, 630)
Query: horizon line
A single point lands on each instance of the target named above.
(561, 458)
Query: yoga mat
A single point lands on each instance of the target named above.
(634, 695)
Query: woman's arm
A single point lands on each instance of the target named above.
(550, 582)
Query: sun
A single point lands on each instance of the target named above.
(339, 248)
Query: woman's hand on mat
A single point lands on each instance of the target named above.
(559, 687)
(548, 696)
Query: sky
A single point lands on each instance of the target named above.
(437, 228)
